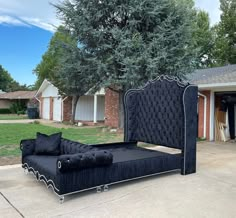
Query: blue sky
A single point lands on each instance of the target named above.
(21, 49)
(26, 27)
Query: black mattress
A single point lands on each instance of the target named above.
(128, 162)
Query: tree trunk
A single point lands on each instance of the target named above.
(75, 100)
(121, 110)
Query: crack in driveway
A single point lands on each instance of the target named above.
(12, 205)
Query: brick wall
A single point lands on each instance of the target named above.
(201, 115)
(67, 109)
(111, 108)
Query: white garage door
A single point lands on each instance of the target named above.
(57, 109)
(46, 108)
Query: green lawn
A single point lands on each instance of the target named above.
(12, 117)
(11, 135)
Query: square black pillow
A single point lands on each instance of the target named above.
(48, 145)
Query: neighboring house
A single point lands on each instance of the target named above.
(90, 108)
(25, 97)
(217, 89)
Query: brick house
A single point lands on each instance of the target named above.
(53, 106)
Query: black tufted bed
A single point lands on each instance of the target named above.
(164, 112)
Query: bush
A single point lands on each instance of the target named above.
(36, 122)
(20, 112)
(17, 106)
(5, 111)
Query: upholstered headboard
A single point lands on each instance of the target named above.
(163, 112)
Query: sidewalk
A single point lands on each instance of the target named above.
(16, 121)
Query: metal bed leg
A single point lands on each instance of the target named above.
(99, 189)
(61, 199)
(37, 176)
(26, 171)
(105, 188)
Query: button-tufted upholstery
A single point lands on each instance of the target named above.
(71, 147)
(155, 114)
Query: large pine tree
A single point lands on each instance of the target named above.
(132, 41)
(124, 43)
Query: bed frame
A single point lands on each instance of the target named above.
(163, 112)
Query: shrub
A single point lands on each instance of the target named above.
(17, 106)
(5, 111)
(36, 122)
(20, 112)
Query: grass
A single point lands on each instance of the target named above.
(12, 117)
(12, 134)
(201, 139)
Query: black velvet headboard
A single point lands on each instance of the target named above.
(163, 112)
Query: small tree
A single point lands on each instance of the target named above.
(225, 43)
(131, 41)
(71, 75)
(8, 84)
(203, 39)
(50, 60)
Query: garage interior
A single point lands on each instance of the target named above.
(225, 107)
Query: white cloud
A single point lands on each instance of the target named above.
(212, 7)
(39, 23)
(38, 13)
(7, 20)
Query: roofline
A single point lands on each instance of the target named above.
(41, 87)
(17, 97)
(101, 91)
(216, 85)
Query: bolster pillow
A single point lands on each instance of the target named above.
(79, 161)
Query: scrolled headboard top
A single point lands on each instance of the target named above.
(156, 113)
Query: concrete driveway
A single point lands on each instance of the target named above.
(211, 192)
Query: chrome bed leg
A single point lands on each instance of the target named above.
(99, 189)
(61, 199)
(26, 171)
(37, 176)
(105, 188)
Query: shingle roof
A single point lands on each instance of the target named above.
(224, 74)
(18, 95)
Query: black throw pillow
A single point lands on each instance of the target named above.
(48, 145)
